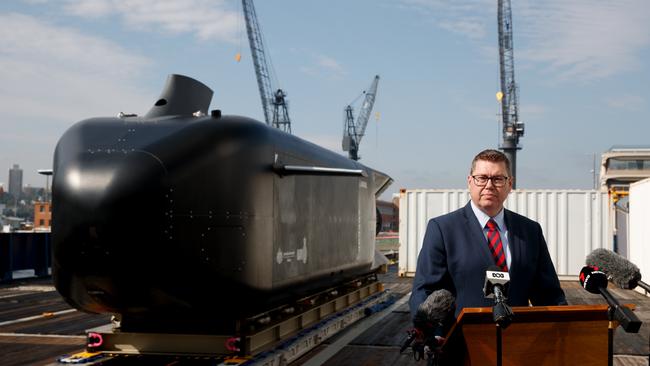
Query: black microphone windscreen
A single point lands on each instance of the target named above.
(436, 308)
(622, 272)
(592, 279)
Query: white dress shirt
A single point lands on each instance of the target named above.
(483, 218)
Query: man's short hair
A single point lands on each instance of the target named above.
(494, 156)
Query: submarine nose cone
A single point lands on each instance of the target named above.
(109, 184)
(107, 220)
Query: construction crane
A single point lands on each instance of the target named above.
(508, 95)
(276, 112)
(354, 131)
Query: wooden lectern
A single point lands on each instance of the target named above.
(542, 335)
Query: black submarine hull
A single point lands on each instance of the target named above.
(195, 219)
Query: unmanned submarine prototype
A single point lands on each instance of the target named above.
(185, 218)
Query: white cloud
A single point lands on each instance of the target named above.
(471, 27)
(572, 40)
(324, 66)
(206, 19)
(90, 8)
(58, 73)
(627, 101)
(330, 64)
(52, 77)
(470, 18)
(584, 39)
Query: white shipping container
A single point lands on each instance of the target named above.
(639, 228)
(574, 222)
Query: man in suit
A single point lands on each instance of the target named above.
(460, 246)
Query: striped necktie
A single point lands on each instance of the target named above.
(496, 246)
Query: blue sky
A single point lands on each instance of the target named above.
(582, 66)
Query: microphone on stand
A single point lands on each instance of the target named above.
(595, 281)
(496, 286)
(620, 271)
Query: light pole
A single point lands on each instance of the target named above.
(47, 173)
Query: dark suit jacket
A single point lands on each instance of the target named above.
(455, 256)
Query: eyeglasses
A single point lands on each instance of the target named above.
(497, 180)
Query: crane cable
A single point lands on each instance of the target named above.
(357, 98)
(274, 76)
(275, 84)
(240, 11)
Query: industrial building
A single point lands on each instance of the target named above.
(620, 167)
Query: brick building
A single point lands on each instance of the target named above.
(42, 216)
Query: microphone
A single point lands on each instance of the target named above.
(619, 270)
(437, 310)
(433, 317)
(496, 287)
(595, 281)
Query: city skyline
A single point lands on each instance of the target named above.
(24, 186)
